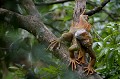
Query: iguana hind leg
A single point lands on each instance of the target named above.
(81, 56)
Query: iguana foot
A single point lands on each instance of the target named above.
(81, 60)
(89, 70)
(73, 63)
(55, 44)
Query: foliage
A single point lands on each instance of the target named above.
(108, 51)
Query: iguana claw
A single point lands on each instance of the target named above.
(55, 44)
(89, 70)
(73, 63)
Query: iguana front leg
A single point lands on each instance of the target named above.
(73, 61)
(87, 43)
(56, 43)
(89, 69)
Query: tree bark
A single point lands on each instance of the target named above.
(78, 9)
(33, 24)
(4, 69)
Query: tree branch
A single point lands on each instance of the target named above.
(30, 7)
(33, 25)
(51, 3)
(97, 9)
(90, 13)
(58, 2)
(111, 15)
(88, 2)
(9, 16)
